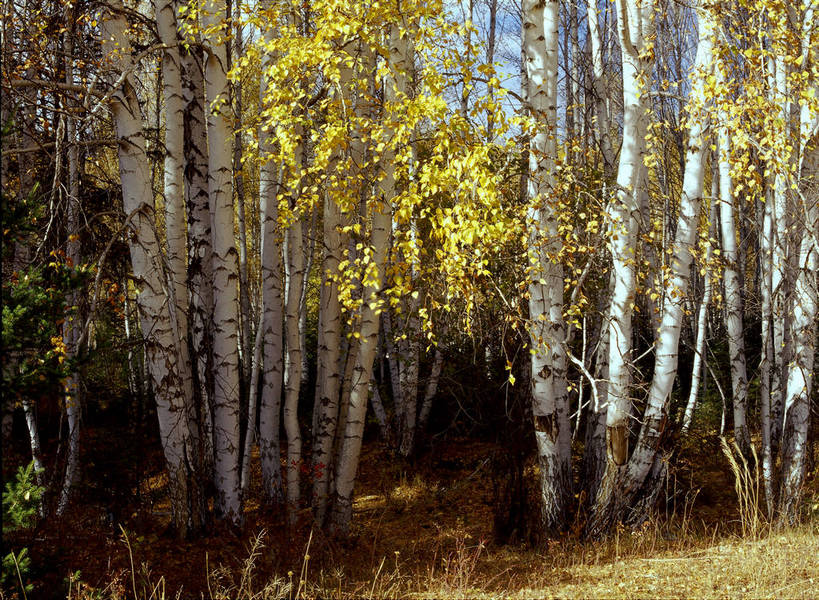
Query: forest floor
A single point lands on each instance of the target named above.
(422, 529)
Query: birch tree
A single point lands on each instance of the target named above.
(162, 355)
(379, 207)
(72, 327)
(635, 26)
(272, 308)
(200, 255)
(639, 475)
(547, 329)
(800, 380)
(733, 286)
(225, 268)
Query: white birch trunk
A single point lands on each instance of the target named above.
(329, 346)
(225, 272)
(247, 340)
(272, 305)
(635, 23)
(152, 300)
(71, 327)
(702, 313)
(379, 411)
(801, 372)
(394, 365)
(252, 408)
(603, 126)
(621, 487)
(292, 372)
(733, 291)
(200, 254)
(362, 372)
(547, 330)
(779, 261)
(766, 355)
(805, 319)
(369, 319)
(176, 239)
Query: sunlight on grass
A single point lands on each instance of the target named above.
(779, 565)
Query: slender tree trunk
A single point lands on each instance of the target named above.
(253, 394)
(148, 269)
(547, 329)
(632, 21)
(378, 411)
(795, 447)
(779, 262)
(247, 341)
(200, 254)
(766, 356)
(800, 376)
(733, 293)
(603, 126)
(702, 313)
(272, 304)
(292, 372)
(491, 43)
(71, 327)
(394, 365)
(176, 238)
(225, 272)
(626, 491)
(329, 382)
(431, 389)
(369, 314)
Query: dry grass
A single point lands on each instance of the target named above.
(781, 565)
(426, 532)
(748, 485)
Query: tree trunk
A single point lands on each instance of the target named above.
(626, 492)
(200, 255)
(431, 389)
(292, 369)
(272, 308)
(795, 446)
(71, 327)
(369, 315)
(329, 347)
(547, 331)
(225, 272)
(634, 24)
(161, 353)
(733, 292)
(702, 313)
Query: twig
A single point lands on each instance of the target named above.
(97, 279)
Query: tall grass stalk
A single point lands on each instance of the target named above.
(747, 486)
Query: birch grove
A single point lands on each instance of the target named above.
(596, 219)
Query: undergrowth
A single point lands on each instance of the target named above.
(632, 563)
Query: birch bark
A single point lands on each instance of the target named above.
(623, 489)
(293, 366)
(702, 313)
(71, 327)
(635, 27)
(329, 355)
(200, 253)
(733, 289)
(148, 269)
(805, 318)
(225, 270)
(272, 307)
(547, 330)
(369, 315)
